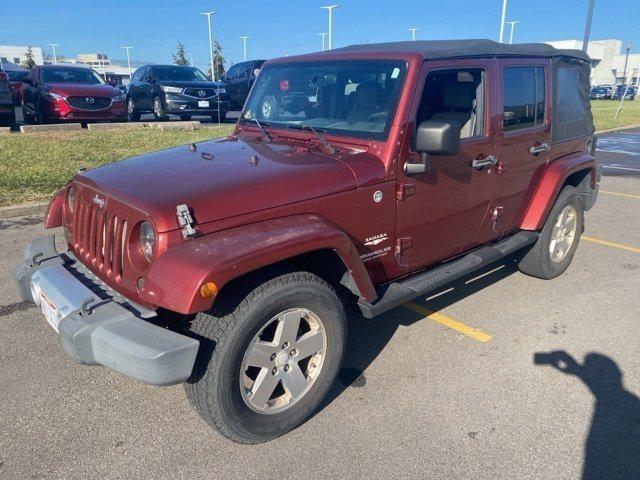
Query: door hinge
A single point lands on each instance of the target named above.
(403, 244)
(496, 213)
(405, 190)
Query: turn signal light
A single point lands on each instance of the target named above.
(208, 290)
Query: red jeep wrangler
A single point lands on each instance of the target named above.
(370, 174)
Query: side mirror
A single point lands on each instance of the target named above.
(434, 137)
(149, 80)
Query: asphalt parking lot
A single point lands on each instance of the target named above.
(439, 389)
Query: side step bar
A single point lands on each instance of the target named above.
(394, 294)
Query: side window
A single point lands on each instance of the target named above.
(135, 78)
(233, 71)
(523, 97)
(243, 69)
(455, 95)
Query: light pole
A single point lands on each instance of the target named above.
(244, 46)
(128, 60)
(512, 28)
(213, 73)
(587, 27)
(626, 61)
(53, 46)
(330, 8)
(191, 56)
(324, 34)
(504, 15)
(413, 32)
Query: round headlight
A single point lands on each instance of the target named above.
(147, 240)
(71, 198)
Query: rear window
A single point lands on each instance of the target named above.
(523, 97)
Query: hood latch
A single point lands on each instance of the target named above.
(185, 221)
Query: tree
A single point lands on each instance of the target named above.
(179, 58)
(218, 61)
(29, 63)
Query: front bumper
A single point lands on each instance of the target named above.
(99, 327)
(183, 105)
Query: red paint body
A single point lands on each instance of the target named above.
(300, 199)
(61, 110)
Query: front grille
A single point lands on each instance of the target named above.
(86, 103)
(195, 92)
(100, 238)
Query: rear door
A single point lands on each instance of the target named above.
(525, 137)
(231, 85)
(442, 212)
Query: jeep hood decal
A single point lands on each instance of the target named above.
(220, 179)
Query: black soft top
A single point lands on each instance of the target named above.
(442, 49)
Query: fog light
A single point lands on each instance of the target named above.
(208, 290)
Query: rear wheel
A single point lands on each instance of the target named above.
(553, 252)
(132, 114)
(269, 353)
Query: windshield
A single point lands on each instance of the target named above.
(343, 97)
(179, 74)
(71, 75)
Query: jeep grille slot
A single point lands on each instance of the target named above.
(100, 239)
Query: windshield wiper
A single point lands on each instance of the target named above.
(321, 138)
(260, 126)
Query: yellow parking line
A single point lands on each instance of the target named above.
(611, 244)
(628, 195)
(449, 322)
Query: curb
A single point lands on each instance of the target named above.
(56, 127)
(93, 127)
(5, 130)
(22, 210)
(617, 129)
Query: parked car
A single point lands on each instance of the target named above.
(69, 93)
(600, 93)
(175, 90)
(226, 264)
(15, 82)
(239, 80)
(7, 112)
(123, 88)
(629, 92)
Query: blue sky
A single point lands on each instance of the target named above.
(153, 28)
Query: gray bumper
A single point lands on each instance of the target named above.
(589, 198)
(99, 327)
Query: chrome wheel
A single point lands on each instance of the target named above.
(157, 107)
(267, 109)
(563, 234)
(283, 361)
(130, 107)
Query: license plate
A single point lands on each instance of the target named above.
(203, 103)
(50, 311)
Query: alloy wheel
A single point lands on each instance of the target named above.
(563, 234)
(283, 361)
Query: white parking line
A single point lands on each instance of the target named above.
(622, 168)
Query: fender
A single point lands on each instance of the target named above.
(549, 187)
(222, 256)
(53, 215)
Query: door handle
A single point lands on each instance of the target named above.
(543, 147)
(485, 162)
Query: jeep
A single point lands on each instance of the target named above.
(227, 264)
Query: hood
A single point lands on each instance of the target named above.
(190, 84)
(219, 180)
(82, 90)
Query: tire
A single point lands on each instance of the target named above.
(185, 117)
(158, 110)
(229, 331)
(28, 118)
(539, 261)
(223, 117)
(132, 114)
(269, 108)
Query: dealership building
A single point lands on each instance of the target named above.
(17, 54)
(607, 61)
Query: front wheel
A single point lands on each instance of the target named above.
(158, 109)
(270, 350)
(553, 252)
(132, 114)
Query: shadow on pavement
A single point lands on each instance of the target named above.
(368, 337)
(612, 450)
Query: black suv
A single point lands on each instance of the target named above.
(7, 113)
(174, 90)
(238, 81)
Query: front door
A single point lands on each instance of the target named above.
(444, 211)
(523, 147)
